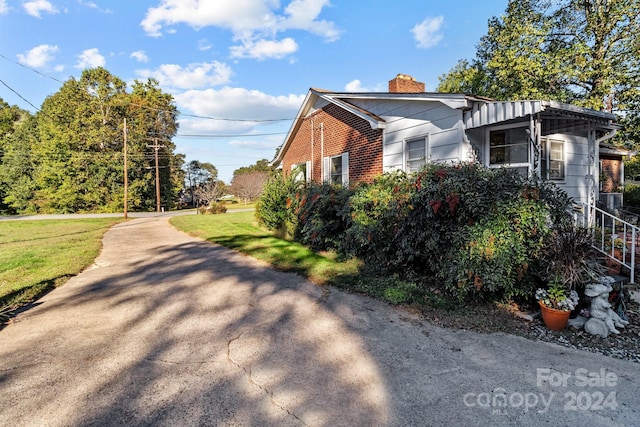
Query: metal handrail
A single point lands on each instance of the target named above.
(607, 230)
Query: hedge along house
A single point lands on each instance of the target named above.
(345, 138)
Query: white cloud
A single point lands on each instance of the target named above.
(35, 7)
(193, 76)
(303, 14)
(427, 33)
(39, 56)
(239, 103)
(253, 22)
(89, 4)
(139, 56)
(90, 58)
(4, 8)
(356, 86)
(263, 49)
(204, 44)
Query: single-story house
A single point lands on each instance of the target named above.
(344, 138)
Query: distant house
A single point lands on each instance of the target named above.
(344, 138)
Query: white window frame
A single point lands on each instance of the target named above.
(425, 157)
(515, 165)
(344, 173)
(546, 153)
(302, 175)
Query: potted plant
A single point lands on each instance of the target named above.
(556, 303)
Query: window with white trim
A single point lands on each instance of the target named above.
(336, 169)
(301, 171)
(416, 154)
(509, 148)
(553, 165)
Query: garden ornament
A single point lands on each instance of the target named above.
(603, 320)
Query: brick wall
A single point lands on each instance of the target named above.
(610, 175)
(343, 132)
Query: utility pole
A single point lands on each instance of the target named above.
(157, 147)
(126, 176)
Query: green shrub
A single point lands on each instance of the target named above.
(461, 232)
(446, 200)
(321, 215)
(212, 209)
(374, 211)
(275, 209)
(632, 195)
(494, 261)
(472, 231)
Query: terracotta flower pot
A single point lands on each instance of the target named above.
(556, 320)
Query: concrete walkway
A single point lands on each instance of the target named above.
(169, 330)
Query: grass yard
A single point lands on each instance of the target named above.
(239, 231)
(37, 256)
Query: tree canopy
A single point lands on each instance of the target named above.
(68, 157)
(584, 52)
(261, 165)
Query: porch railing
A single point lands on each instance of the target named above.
(613, 237)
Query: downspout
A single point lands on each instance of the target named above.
(606, 136)
(312, 148)
(321, 152)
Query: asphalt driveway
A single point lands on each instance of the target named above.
(166, 329)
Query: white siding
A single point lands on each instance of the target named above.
(576, 150)
(408, 119)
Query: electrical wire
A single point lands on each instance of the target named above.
(20, 96)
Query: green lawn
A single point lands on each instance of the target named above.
(36, 256)
(239, 231)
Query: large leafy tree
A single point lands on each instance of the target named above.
(11, 118)
(585, 52)
(79, 145)
(69, 156)
(16, 128)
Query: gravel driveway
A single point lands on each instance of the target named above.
(166, 329)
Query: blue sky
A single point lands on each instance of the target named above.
(247, 62)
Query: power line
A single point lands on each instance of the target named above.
(30, 69)
(229, 135)
(21, 97)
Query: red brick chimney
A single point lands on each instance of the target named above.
(405, 83)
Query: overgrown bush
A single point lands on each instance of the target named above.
(373, 215)
(275, 209)
(494, 259)
(321, 215)
(465, 231)
(445, 201)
